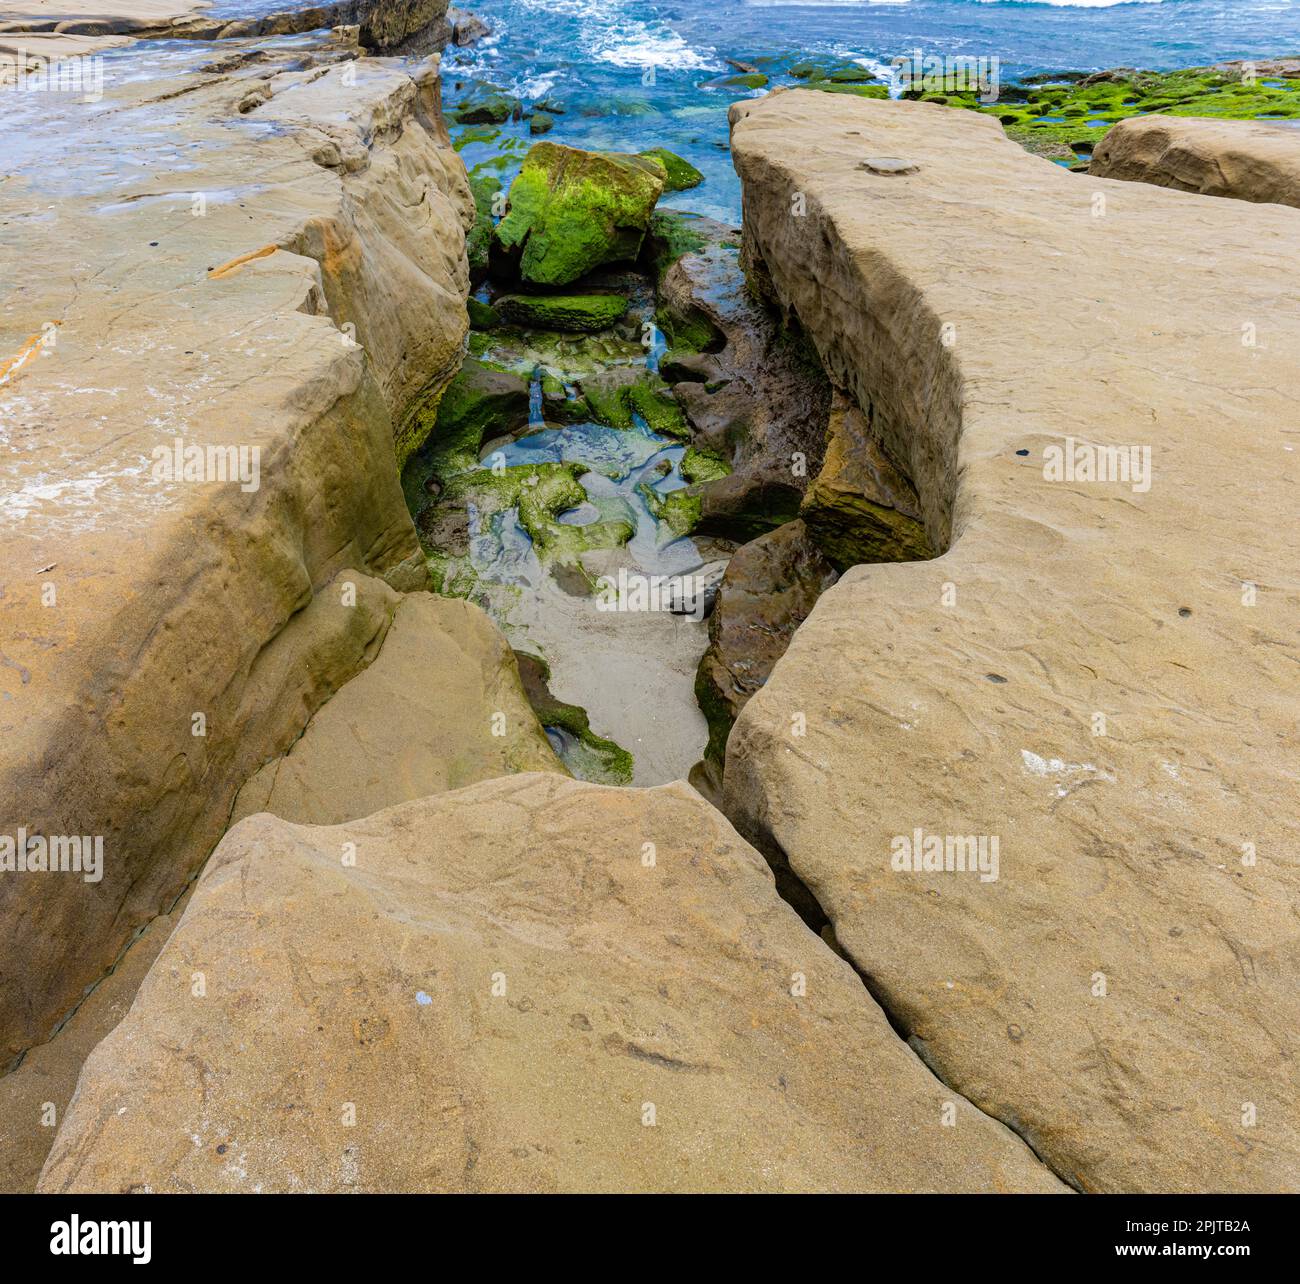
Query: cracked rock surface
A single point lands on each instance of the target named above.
(1124, 993)
(512, 998)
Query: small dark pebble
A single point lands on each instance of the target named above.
(221, 1149)
(1184, 611)
(995, 677)
(1022, 452)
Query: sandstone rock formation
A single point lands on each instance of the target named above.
(860, 508)
(35, 1096)
(506, 993)
(56, 29)
(1124, 993)
(161, 637)
(1243, 159)
(769, 589)
(440, 707)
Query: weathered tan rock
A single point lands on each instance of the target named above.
(770, 586)
(35, 1096)
(1248, 160)
(440, 707)
(860, 508)
(130, 603)
(1125, 992)
(57, 29)
(496, 997)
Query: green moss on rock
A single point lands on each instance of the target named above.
(481, 315)
(582, 313)
(479, 401)
(679, 510)
(703, 465)
(572, 211)
(587, 755)
(1070, 119)
(491, 108)
(540, 493)
(484, 184)
(681, 174)
(615, 396)
(672, 233)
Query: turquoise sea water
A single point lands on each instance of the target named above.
(634, 73)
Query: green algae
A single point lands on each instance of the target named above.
(589, 756)
(572, 211)
(481, 398)
(566, 312)
(481, 315)
(680, 174)
(703, 465)
(540, 493)
(670, 235)
(1070, 118)
(679, 510)
(618, 396)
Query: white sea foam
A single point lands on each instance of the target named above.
(611, 32)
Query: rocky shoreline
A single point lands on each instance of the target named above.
(325, 724)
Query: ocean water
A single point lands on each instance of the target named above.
(635, 73)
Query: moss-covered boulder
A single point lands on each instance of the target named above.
(583, 313)
(482, 316)
(479, 402)
(746, 80)
(572, 211)
(681, 173)
(618, 395)
(541, 122)
(484, 184)
(490, 107)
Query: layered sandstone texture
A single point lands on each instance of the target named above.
(530, 984)
(441, 706)
(36, 32)
(1247, 160)
(295, 294)
(1102, 676)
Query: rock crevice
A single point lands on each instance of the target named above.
(1096, 674)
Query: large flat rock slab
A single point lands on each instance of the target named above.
(531, 984)
(1102, 676)
(264, 258)
(1247, 160)
(441, 706)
